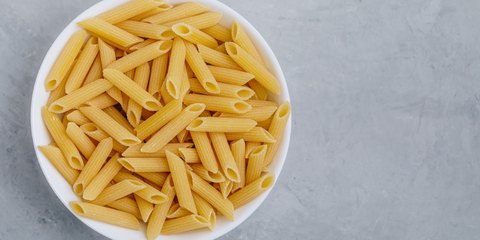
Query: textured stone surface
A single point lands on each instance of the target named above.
(385, 98)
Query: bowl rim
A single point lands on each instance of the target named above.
(46, 166)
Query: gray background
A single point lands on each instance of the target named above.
(385, 137)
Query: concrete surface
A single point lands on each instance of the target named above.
(385, 141)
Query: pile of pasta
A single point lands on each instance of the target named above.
(165, 117)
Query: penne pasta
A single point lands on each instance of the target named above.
(59, 135)
(134, 151)
(109, 32)
(107, 215)
(55, 156)
(59, 92)
(189, 155)
(157, 75)
(147, 30)
(171, 129)
(156, 178)
(226, 90)
(205, 151)
(265, 124)
(126, 205)
(98, 134)
(145, 164)
(199, 21)
(118, 117)
(77, 117)
(149, 193)
(64, 61)
(117, 191)
(240, 37)
(159, 214)
(128, 10)
(215, 103)
(255, 164)
(178, 12)
(226, 187)
(260, 92)
(257, 134)
(205, 210)
(83, 64)
(231, 76)
(179, 176)
(250, 146)
(215, 124)
(159, 119)
(225, 156)
(78, 137)
(219, 32)
(101, 101)
(256, 113)
(252, 190)
(238, 151)
(107, 53)
(176, 211)
(217, 58)
(95, 71)
(201, 70)
(134, 110)
(221, 48)
(260, 103)
(175, 68)
(161, 8)
(194, 35)
(276, 129)
(184, 224)
(206, 175)
(101, 180)
(142, 44)
(145, 207)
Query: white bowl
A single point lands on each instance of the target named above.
(64, 191)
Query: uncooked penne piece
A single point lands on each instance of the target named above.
(77, 117)
(221, 48)
(117, 191)
(64, 61)
(147, 30)
(156, 178)
(194, 35)
(211, 195)
(255, 164)
(133, 90)
(118, 117)
(134, 151)
(219, 32)
(145, 207)
(265, 124)
(55, 156)
(256, 113)
(226, 187)
(226, 90)
(179, 176)
(184, 224)
(157, 75)
(128, 10)
(240, 37)
(159, 214)
(252, 190)
(161, 8)
(247, 62)
(142, 44)
(215, 124)
(189, 155)
(145, 164)
(141, 56)
(277, 129)
(260, 103)
(149, 193)
(101, 180)
(107, 53)
(260, 91)
(215, 103)
(110, 126)
(134, 110)
(175, 68)
(171, 129)
(205, 151)
(199, 21)
(231, 76)
(84, 62)
(201, 70)
(59, 135)
(225, 156)
(249, 146)
(205, 210)
(176, 211)
(208, 176)
(159, 119)
(178, 12)
(106, 215)
(98, 134)
(78, 137)
(109, 32)
(238, 152)
(126, 205)
(95, 71)
(59, 92)
(257, 134)
(101, 101)
(217, 58)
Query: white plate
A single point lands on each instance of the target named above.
(64, 191)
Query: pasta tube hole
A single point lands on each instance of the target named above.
(126, 165)
(202, 219)
(51, 84)
(152, 105)
(212, 88)
(245, 93)
(136, 183)
(268, 181)
(129, 141)
(259, 150)
(164, 46)
(231, 48)
(196, 123)
(234, 30)
(284, 110)
(196, 107)
(212, 219)
(232, 175)
(78, 188)
(164, 5)
(216, 176)
(168, 34)
(172, 89)
(242, 107)
(90, 128)
(77, 163)
(181, 29)
(173, 209)
(189, 178)
(158, 198)
(77, 208)
(133, 118)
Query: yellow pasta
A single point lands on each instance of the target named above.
(98, 134)
(219, 32)
(134, 112)
(159, 214)
(101, 101)
(157, 75)
(101, 180)
(226, 90)
(58, 132)
(277, 128)
(126, 205)
(109, 32)
(231, 76)
(226, 188)
(107, 53)
(156, 178)
(95, 71)
(107, 215)
(84, 62)
(161, 8)
(215, 103)
(221, 48)
(184, 224)
(249, 146)
(78, 137)
(238, 151)
(205, 210)
(260, 103)
(166, 98)
(142, 44)
(60, 90)
(179, 176)
(252, 190)
(133, 90)
(217, 58)
(178, 12)
(64, 61)
(257, 134)
(241, 38)
(247, 62)
(55, 156)
(159, 119)
(117, 191)
(225, 156)
(189, 155)
(256, 113)
(134, 151)
(214, 124)
(205, 151)
(110, 126)
(118, 117)
(77, 117)
(199, 21)
(201, 70)
(141, 56)
(128, 10)
(255, 164)
(175, 68)
(211, 195)
(145, 164)
(147, 30)
(149, 193)
(171, 129)
(260, 91)
(265, 124)
(194, 35)
(208, 176)
(145, 207)
(176, 211)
